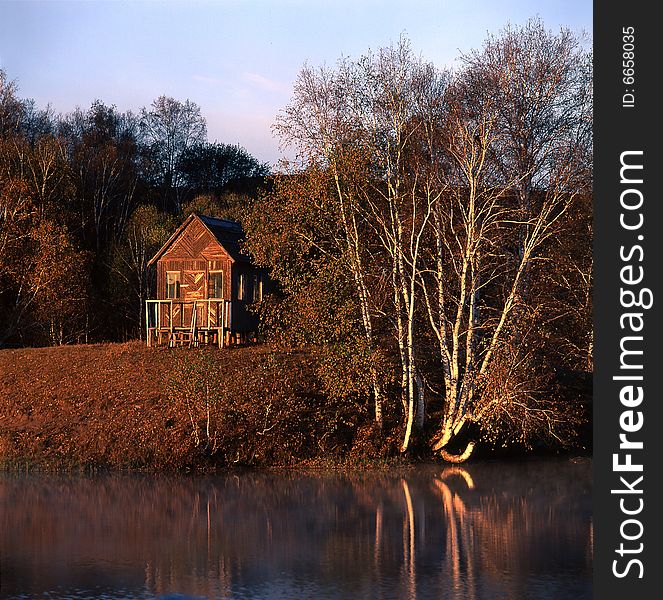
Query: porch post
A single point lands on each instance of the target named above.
(147, 322)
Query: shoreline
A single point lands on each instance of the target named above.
(110, 408)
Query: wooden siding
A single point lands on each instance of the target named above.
(194, 242)
(243, 319)
(196, 251)
(193, 285)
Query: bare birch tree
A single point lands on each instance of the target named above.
(169, 129)
(316, 122)
(395, 101)
(517, 136)
(104, 157)
(448, 195)
(371, 122)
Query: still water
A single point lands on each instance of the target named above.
(491, 530)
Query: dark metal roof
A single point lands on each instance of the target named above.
(229, 234)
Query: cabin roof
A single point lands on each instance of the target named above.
(228, 233)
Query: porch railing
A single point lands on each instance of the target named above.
(188, 321)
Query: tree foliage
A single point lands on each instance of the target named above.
(209, 168)
(43, 274)
(441, 205)
(103, 149)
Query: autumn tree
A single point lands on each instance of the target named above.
(372, 124)
(37, 122)
(539, 84)
(519, 140)
(43, 296)
(561, 286)
(11, 109)
(369, 126)
(131, 281)
(17, 213)
(447, 195)
(56, 280)
(473, 284)
(45, 287)
(292, 231)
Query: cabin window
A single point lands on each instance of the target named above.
(241, 286)
(172, 284)
(257, 287)
(215, 284)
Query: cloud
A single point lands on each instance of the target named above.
(206, 79)
(265, 84)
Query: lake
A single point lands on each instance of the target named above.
(488, 530)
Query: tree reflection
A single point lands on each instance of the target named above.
(485, 531)
(454, 511)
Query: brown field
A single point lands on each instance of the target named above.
(107, 406)
(113, 406)
(101, 404)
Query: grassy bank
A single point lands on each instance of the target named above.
(129, 407)
(125, 406)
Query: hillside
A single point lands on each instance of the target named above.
(125, 406)
(98, 404)
(108, 405)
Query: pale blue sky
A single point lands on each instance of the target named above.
(237, 59)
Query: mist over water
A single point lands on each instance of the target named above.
(490, 530)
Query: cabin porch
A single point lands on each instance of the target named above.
(190, 323)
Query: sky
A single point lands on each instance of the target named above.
(236, 59)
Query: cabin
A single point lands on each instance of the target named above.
(205, 286)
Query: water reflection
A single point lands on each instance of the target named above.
(488, 531)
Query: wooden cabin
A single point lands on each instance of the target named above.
(205, 285)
